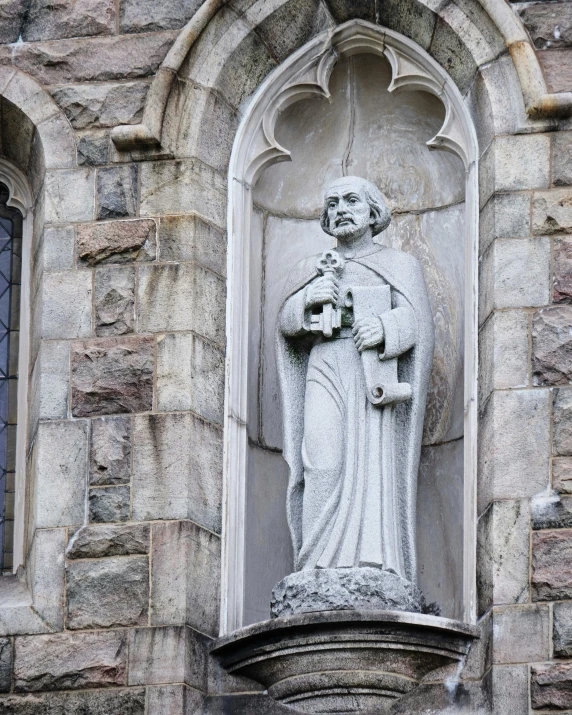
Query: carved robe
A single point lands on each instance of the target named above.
(353, 465)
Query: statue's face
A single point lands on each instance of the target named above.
(349, 214)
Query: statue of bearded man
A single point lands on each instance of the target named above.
(354, 348)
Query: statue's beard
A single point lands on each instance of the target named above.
(348, 231)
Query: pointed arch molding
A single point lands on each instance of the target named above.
(306, 74)
(19, 194)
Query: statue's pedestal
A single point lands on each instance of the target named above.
(343, 661)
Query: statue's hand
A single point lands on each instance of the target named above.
(322, 290)
(368, 332)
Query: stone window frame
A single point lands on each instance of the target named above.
(306, 74)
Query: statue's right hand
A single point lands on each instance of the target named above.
(322, 290)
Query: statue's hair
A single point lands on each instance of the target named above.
(374, 198)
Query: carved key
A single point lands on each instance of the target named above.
(329, 262)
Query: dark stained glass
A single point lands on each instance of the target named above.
(10, 262)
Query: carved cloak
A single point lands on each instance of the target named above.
(404, 274)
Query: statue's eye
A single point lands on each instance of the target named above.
(353, 200)
(332, 205)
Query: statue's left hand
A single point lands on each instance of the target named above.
(368, 332)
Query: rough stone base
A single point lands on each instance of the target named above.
(355, 589)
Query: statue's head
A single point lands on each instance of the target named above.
(352, 206)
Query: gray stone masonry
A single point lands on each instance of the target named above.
(109, 504)
(110, 460)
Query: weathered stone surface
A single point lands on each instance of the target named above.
(117, 242)
(108, 593)
(157, 655)
(69, 195)
(112, 376)
(5, 665)
(177, 469)
(110, 459)
(562, 262)
(562, 157)
(149, 16)
(114, 300)
(184, 296)
(61, 459)
(415, 20)
(57, 246)
(183, 187)
(551, 686)
(522, 162)
(66, 305)
(452, 54)
(552, 565)
(53, 364)
(509, 689)
(189, 238)
(557, 66)
(549, 23)
(562, 475)
(89, 106)
(93, 148)
(552, 211)
(90, 59)
(551, 512)
(190, 376)
(562, 422)
(91, 702)
(562, 630)
(185, 584)
(505, 216)
(117, 191)
(347, 589)
(173, 700)
(94, 542)
(12, 13)
(552, 346)
(69, 661)
(48, 21)
(521, 634)
(109, 504)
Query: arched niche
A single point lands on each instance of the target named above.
(388, 103)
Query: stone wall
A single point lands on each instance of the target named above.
(120, 594)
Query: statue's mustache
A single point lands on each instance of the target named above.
(344, 218)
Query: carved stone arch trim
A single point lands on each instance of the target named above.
(20, 195)
(306, 74)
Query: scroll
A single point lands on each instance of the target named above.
(383, 387)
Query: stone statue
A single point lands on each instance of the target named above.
(354, 349)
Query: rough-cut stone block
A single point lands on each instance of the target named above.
(552, 346)
(157, 655)
(93, 59)
(46, 21)
(114, 300)
(117, 191)
(69, 661)
(108, 593)
(12, 14)
(503, 542)
(93, 148)
(521, 634)
(562, 157)
(552, 565)
(557, 67)
(112, 375)
(552, 211)
(109, 504)
(185, 581)
(5, 665)
(551, 686)
(53, 364)
(452, 54)
(551, 511)
(66, 305)
(177, 469)
(522, 162)
(61, 470)
(562, 278)
(89, 106)
(58, 246)
(548, 23)
(183, 187)
(415, 20)
(149, 16)
(505, 216)
(562, 630)
(562, 475)
(509, 689)
(69, 195)
(189, 238)
(181, 297)
(562, 422)
(90, 702)
(94, 542)
(117, 242)
(190, 376)
(110, 461)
